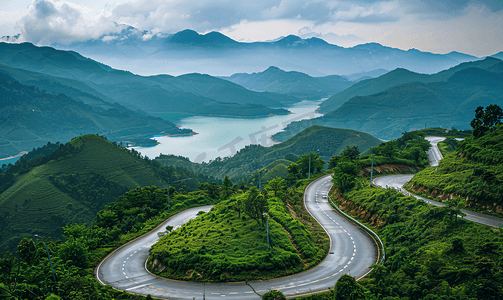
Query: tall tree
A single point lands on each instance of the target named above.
(255, 205)
(486, 119)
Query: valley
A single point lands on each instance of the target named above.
(140, 164)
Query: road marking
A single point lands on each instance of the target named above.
(139, 286)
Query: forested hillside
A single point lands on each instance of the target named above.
(399, 76)
(411, 106)
(471, 176)
(194, 94)
(32, 117)
(317, 139)
(296, 84)
(70, 183)
(27, 275)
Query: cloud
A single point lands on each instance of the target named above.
(447, 9)
(49, 21)
(347, 40)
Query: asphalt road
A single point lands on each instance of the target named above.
(352, 251)
(398, 181)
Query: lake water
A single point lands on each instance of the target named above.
(221, 137)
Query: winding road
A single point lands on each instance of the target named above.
(352, 251)
(398, 181)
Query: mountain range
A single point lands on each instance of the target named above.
(401, 101)
(291, 83)
(214, 53)
(108, 101)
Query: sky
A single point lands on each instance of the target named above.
(470, 26)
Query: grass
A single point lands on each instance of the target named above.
(470, 177)
(35, 205)
(223, 245)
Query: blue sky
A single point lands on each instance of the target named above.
(470, 26)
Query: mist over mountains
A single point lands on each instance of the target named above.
(213, 53)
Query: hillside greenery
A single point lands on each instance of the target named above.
(27, 274)
(415, 105)
(59, 184)
(396, 77)
(431, 253)
(245, 163)
(470, 176)
(230, 242)
(32, 117)
(195, 94)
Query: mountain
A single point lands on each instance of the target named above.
(365, 75)
(395, 77)
(291, 83)
(326, 141)
(461, 57)
(416, 105)
(214, 53)
(221, 90)
(31, 118)
(72, 183)
(498, 55)
(139, 92)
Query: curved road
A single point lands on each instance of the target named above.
(398, 181)
(352, 251)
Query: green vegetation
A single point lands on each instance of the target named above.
(59, 184)
(193, 93)
(273, 295)
(430, 253)
(230, 244)
(452, 133)
(31, 118)
(412, 105)
(470, 177)
(28, 274)
(245, 163)
(296, 84)
(396, 77)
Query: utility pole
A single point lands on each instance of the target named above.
(372, 169)
(50, 261)
(267, 228)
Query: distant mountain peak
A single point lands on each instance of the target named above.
(189, 36)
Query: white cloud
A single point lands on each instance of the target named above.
(427, 24)
(50, 21)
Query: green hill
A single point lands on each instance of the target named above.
(31, 118)
(397, 77)
(139, 92)
(73, 183)
(296, 84)
(471, 177)
(412, 106)
(326, 141)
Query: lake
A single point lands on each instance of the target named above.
(221, 137)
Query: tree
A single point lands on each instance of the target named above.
(346, 288)
(276, 185)
(75, 253)
(344, 176)
(352, 152)
(273, 295)
(486, 119)
(255, 205)
(316, 163)
(227, 185)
